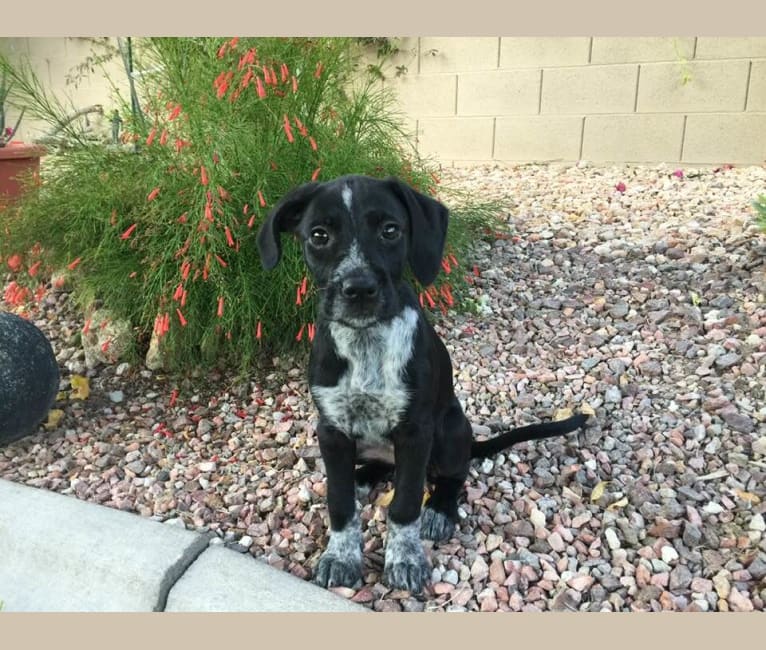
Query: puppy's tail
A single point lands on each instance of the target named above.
(495, 445)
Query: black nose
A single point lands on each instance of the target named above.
(362, 287)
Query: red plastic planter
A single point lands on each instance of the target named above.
(17, 161)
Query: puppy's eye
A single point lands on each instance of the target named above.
(320, 237)
(390, 231)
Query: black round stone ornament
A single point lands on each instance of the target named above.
(29, 377)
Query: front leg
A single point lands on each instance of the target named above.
(406, 566)
(341, 563)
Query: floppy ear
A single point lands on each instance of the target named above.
(285, 217)
(428, 231)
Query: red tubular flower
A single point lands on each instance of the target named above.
(220, 261)
(183, 298)
(288, 130)
(251, 221)
(430, 300)
(181, 318)
(261, 200)
(312, 331)
(315, 175)
(259, 87)
(173, 398)
(14, 262)
(150, 137)
(421, 299)
(86, 327)
(452, 259)
(132, 274)
(32, 270)
(183, 218)
(246, 79)
(185, 268)
(105, 345)
(258, 331)
(222, 89)
(284, 71)
(229, 238)
(476, 270)
(295, 84)
(129, 231)
(301, 127)
(209, 212)
(446, 266)
(318, 71)
(298, 296)
(72, 265)
(299, 335)
(164, 137)
(222, 51)
(153, 194)
(245, 208)
(233, 42)
(203, 175)
(178, 291)
(220, 306)
(174, 113)
(304, 285)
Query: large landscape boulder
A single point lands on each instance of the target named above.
(29, 377)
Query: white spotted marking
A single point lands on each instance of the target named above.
(370, 397)
(353, 262)
(403, 544)
(346, 543)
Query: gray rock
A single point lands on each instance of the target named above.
(757, 567)
(680, 578)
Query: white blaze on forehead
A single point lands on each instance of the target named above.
(346, 194)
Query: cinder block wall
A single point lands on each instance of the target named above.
(623, 99)
(643, 100)
(55, 62)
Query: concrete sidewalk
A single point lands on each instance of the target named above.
(58, 553)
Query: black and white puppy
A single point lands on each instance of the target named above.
(379, 375)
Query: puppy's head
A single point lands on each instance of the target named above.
(358, 234)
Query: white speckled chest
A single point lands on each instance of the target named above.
(370, 397)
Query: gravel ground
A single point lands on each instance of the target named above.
(644, 303)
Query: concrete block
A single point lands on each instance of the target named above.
(635, 49)
(716, 47)
(633, 138)
(756, 94)
(458, 53)
(589, 89)
(222, 580)
(426, 94)
(541, 52)
(58, 553)
(498, 92)
(713, 86)
(726, 138)
(538, 138)
(456, 138)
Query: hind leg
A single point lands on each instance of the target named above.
(450, 459)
